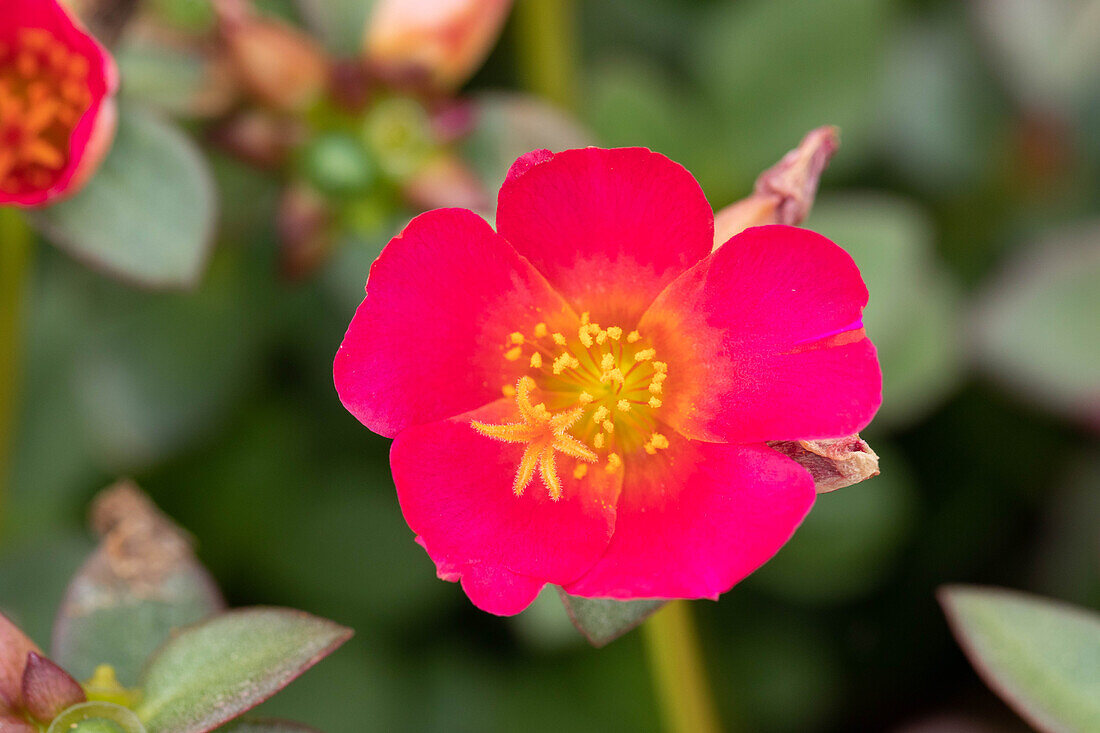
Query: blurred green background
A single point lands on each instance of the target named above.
(967, 188)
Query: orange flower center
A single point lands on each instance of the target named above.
(43, 93)
(600, 391)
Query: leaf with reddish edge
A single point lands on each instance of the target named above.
(1041, 656)
(212, 672)
(140, 584)
(602, 620)
(14, 648)
(48, 689)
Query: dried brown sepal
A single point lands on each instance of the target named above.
(259, 137)
(14, 648)
(48, 689)
(784, 193)
(834, 463)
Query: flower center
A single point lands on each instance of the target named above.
(599, 392)
(43, 94)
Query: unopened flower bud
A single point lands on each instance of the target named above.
(48, 689)
(398, 133)
(337, 164)
(278, 64)
(446, 39)
(304, 224)
(834, 463)
(446, 181)
(784, 193)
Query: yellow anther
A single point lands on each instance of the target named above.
(654, 402)
(540, 330)
(614, 462)
(607, 363)
(514, 353)
(563, 362)
(597, 441)
(633, 337)
(585, 336)
(584, 398)
(584, 318)
(650, 449)
(580, 470)
(655, 387)
(608, 426)
(559, 339)
(623, 405)
(658, 441)
(516, 337)
(542, 412)
(660, 376)
(615, 333)
(645, 355)
(660, 367)
(601, 413)
(615, 375)
(601, 337)
(536, 360)
(508, 390)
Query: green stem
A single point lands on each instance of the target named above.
(546, 48)
(678, 672)
(16, 248)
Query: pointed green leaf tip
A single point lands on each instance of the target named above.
(602, 620)
(1042, 657)
(214, 671)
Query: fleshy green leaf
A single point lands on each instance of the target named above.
(603, 620)
(147, 215)
(912, 313)
(1041, 656)
(142, 583)
(1036, 326)
(211, 673)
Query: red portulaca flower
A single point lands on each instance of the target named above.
(57, 107)
(584, 396)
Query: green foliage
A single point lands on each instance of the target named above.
(1041, 656)
(602, 620)
(210, 673)
(147, 215)
(96, 717)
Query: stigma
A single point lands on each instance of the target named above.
(599, 391)
(43, 94)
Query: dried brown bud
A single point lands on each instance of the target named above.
(834, 463)
(784, 193)
(278, 64)
(447, 39)
(48, 689)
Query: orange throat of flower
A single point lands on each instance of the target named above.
(43, 94)
(601, 390)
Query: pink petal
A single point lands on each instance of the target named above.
(491, 588)
(608, 228)
(428, 341)
(697, 518)
(455, 489)
(765, 341)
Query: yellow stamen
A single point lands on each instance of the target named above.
(515, 337)
(607, 363)
(536, 360)
(660, 367)
(559, 339)
(615, 333)
(540, 330)
(608, 426)
(614, 462)
(508, 390)
(601, 413)
(597, 441)
(585, 336)
(513, 353)
(623, 405)
(655, 387)
(584, 398)
(633, 337)
(645, 355)
(584, 318)
(654, 402)
(580, 471)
